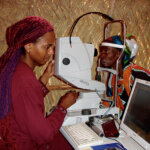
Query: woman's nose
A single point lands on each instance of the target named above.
(51, 51)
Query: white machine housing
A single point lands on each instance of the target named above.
(73, 64)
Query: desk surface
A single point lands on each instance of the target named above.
(124, 139)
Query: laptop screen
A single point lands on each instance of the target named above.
(136, 119)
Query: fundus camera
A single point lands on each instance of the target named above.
(73, 63)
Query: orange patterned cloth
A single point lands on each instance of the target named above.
(124, 84)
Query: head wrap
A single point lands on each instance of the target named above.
(130, 50)
(23, 32)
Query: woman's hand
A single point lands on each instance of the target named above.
(49, 72)
(68, 99)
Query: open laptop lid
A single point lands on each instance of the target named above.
(136, 119)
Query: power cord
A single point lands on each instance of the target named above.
(76, 21)
(122, 147)
(105, 99)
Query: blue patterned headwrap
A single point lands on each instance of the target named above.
(130, 49)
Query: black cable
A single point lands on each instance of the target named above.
(117, 142)
(107, 100)
(75, 22)
(108, 110)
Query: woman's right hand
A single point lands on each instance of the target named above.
(68, 99)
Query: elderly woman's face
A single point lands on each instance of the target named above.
(108, 56)
(43, 48)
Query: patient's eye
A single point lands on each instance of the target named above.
(103, 50)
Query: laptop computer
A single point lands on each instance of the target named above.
(136, 119)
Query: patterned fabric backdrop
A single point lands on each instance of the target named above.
(62, 14)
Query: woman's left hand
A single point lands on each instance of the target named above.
(49, 72)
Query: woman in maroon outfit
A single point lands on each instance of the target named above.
(31, 42)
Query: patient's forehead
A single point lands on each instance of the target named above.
(108, 48)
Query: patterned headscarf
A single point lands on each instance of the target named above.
(19, 34)
(130, 50)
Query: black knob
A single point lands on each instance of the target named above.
(95, 52)
(66, 61)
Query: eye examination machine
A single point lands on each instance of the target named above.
(73, 65)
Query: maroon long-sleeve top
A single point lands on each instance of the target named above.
(30, 129)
